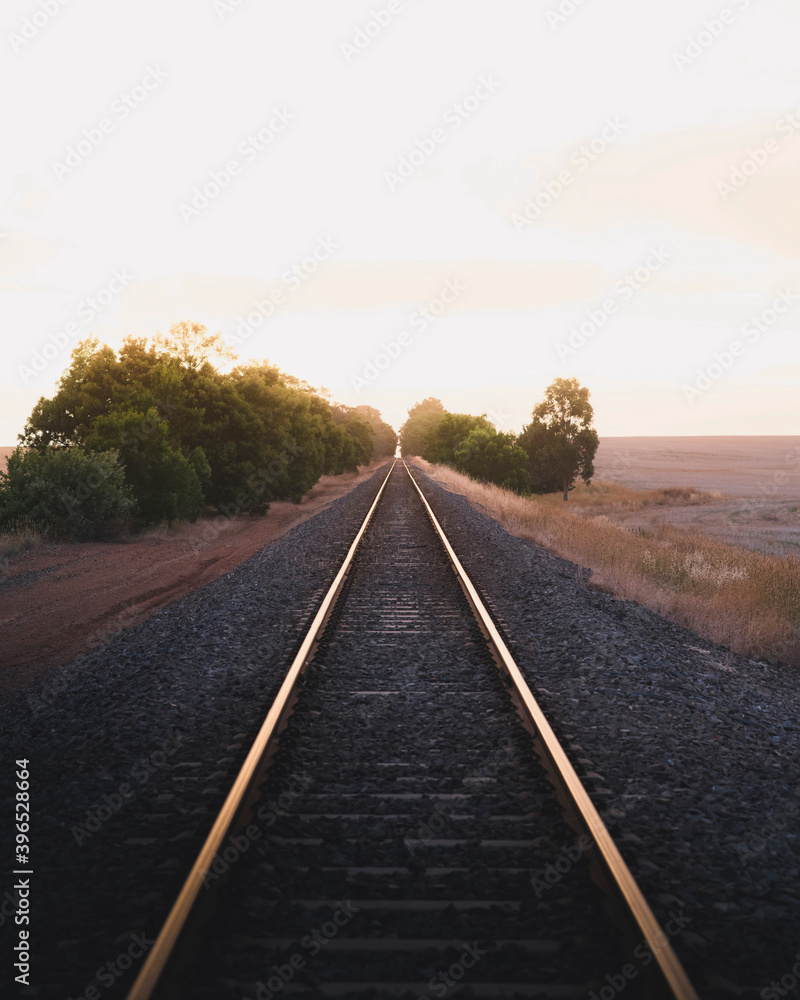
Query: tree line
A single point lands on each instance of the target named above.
(553, 451)
(158, 431)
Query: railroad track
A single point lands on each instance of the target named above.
(406, 823)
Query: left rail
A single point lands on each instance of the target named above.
(159, 977)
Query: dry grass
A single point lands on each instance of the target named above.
(747, 600)
(604, 495)
(14, 542)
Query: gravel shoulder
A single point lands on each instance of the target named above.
(697, 749)
(134, 745)
(61, 598)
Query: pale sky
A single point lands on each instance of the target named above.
(514, 169)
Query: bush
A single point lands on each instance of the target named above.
(493, 457)
(65, 493)
(163, 481)
(450, 432)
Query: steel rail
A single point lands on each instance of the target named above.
(156, 968)
(621, 878)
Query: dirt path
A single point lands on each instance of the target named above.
(60, 599)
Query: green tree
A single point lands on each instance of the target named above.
(543, 474)
(423, 418)
(360, 434)
(493, 457)
(193, 346)
(89, 388)
(384, 436)
(447, 435)
(190, 433)
(65, 493)
(165, 483)
(560, 441)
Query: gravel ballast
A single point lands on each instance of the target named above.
(423, 809)
(133, 748)
(699, 749)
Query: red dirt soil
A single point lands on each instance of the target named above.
(61, 598)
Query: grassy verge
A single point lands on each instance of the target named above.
(740, 598)
(602, 495)
(14, 542)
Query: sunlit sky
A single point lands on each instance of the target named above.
(515, 171)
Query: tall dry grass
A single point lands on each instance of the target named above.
(14, 542)
(604, 495)
(740, 598)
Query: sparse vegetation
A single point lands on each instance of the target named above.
(14, 542)
(747, 600)
(598, 494)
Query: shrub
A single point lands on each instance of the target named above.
(64, 493)
(493, 457)
(164, 482)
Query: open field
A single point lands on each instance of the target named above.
(745, 467)
(740, 490)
